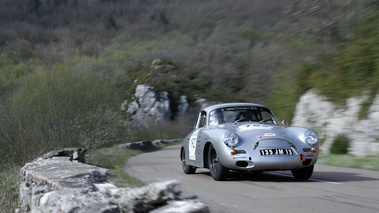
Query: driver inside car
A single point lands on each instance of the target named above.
(245, 116)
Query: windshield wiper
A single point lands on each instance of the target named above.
(264, 121)
(238, 120)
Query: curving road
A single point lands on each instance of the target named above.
(331, 189)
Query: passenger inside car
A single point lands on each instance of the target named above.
(215, 118)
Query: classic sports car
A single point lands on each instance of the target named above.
(245, 137)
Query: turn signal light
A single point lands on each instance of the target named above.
(233, 151)
(314, 149)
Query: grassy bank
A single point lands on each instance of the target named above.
(9, 176)
(371, 163)
(114, 160)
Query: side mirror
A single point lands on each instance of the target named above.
(284, 123)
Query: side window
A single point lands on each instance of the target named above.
(202, 120)
(215, 118)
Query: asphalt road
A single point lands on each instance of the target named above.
(330, 189)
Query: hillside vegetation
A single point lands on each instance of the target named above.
(67, 65)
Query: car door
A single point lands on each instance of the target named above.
(194, 143)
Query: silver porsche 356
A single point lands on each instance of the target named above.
(246, 137)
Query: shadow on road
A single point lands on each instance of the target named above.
(287, 177)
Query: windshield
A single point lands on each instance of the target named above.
(241, 114)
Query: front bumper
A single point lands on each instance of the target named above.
(254, 161)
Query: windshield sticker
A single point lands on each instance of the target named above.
(192, 145)
(239, 108)
(251, 127)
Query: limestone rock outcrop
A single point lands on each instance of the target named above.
(329, 120)
(148, 106)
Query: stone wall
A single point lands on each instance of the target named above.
(58, 182)
(329, 120)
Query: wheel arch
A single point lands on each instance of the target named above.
(181, 153)
(205, 154)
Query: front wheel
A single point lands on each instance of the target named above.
(218, 171)
(187, 169)
(304, 173)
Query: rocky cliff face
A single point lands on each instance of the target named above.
(329, 120)
(149, 107)
(58, 183)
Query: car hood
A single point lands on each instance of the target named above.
(256, 132)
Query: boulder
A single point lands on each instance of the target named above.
(140, 145)
(143, 145)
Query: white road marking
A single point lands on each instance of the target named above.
(312, 179)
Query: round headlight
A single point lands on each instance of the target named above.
(231, 139)
(311, 137)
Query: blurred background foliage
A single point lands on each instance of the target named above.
(67, 66)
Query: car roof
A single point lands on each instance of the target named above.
(216, 106)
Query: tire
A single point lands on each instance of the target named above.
(257, 172)
(187, 169)
(303, 174)
(218, 171)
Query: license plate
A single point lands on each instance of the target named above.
(276, 152)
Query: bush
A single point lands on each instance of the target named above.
(59, 108)
(340, 144)
(100, 127)
(18, 50)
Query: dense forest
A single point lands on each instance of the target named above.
(67, 65)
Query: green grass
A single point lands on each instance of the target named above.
(9, 176)
(114, 160)
(371, 163)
